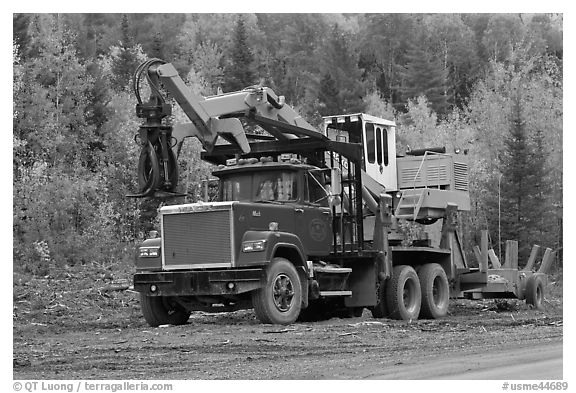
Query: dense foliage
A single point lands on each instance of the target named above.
(490, 84)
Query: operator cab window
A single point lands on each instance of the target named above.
(370, 143)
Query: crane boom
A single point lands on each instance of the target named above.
(210, 117)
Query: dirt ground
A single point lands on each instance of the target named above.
(97, 332)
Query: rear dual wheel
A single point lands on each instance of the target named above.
(408, 294)
(435, 291)
(403, 296)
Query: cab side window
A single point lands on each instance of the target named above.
(316, 189)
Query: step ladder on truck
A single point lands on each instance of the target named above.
(307, 220)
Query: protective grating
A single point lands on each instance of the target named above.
(461, 176)
(200, 238)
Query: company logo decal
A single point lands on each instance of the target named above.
(318, 230)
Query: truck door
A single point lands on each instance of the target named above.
(313, 218)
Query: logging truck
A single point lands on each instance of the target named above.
(305, 221)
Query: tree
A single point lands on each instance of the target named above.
(206, 73)
(387, 36)
(523, 184)
(426, 75)
(146, 27)
(378, 106)
(54, 98)
(293, 41)
(504, 33)
(341, 89)
(20, 23)
(328, 96)
(157, 46)
(125, 59)
(239, 72)
(60, 199)
(452, 42)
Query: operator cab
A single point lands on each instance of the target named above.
(378, 139)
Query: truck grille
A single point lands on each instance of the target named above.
(197, 239)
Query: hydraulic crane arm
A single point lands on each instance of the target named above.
(213, 116)
(210, 117)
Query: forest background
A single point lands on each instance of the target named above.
(487, 84)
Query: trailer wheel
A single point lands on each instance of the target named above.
(380, 310)
(435, 291)
(160, 310)
(534, 292)
(279, 301)
(403, 294)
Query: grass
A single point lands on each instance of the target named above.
(83, 298)
(78, 297)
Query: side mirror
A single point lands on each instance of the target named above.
(335, 187)
(335, 182)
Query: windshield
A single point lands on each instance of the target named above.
(281, 186)
(275, 186)
(237, 188)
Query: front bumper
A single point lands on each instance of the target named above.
(197, 283)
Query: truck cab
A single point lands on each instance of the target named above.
(211, 255)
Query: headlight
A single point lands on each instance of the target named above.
(253, 246)
(148, 252)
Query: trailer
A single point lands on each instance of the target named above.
(306, 221)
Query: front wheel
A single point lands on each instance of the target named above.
(279, 301)
(403, 294)
(161, 310)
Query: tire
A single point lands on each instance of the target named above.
(403, 296)
(534, 292)
(435, 291)
(380, 310)
(159, 310)
(148, 170)
(279, 301)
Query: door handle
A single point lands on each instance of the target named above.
(325, 212)
(298, 210)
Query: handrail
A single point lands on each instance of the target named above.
(420, 168)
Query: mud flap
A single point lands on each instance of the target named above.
(304, 282)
